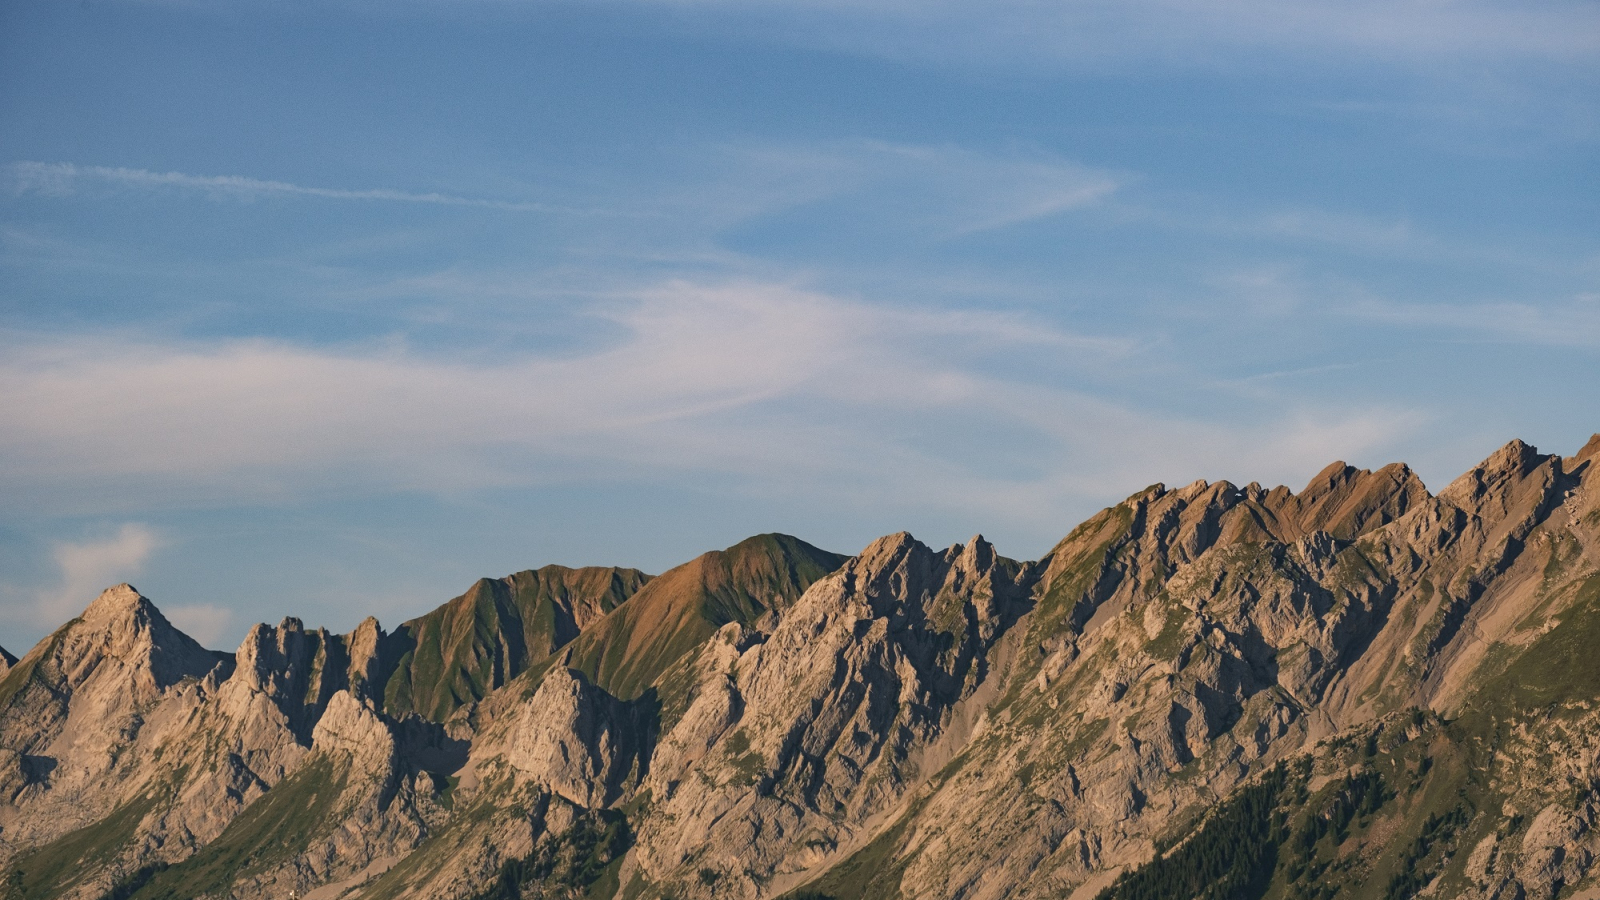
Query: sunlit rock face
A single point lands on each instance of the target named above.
(1359, 689)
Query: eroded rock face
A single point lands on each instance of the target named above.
(806, 740)
(117, 677)
(919, 723)
(299, 671)
(119, 713)
(576, 741)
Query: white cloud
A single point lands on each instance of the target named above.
(83, 570)
(952, 190)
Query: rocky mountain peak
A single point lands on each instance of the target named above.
(895, 570)
(628, 649)
(1590, 450)
(1506, 496)
(1194, 489)
(122, 625)
(882, 552)
(116, 602)
(976, 554)
(364, 645)
(298, 670)
(1335, 473)
(353, 726)
(574, 739)
(1346, 502)
(1497, 474)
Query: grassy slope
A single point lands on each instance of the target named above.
(871, 873)
(23, 672)
(629, 650)
(271, 831)
(50, 870)
(477, 642)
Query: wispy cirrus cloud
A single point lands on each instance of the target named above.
(1098, 33)
(976, 192)
(1568, 322)
(64, 178)
(949, 190)
(764, 387)
(929, 190)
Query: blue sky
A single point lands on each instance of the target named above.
(328, 309)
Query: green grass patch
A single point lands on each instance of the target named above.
(748, 765)
(1421, 863)
(1560, 665)
(269, 832)
(630, 649)
(22, 673)
(1169, 641)
(51, 870)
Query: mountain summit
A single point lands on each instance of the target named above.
(1357, 690)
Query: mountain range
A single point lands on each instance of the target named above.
(1358, 690)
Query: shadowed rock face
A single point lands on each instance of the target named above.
(908, 722)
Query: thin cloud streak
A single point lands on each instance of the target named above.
(1102, 33)
(63, 178)
(948, 190)
(932, 191)
(1562, 323)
